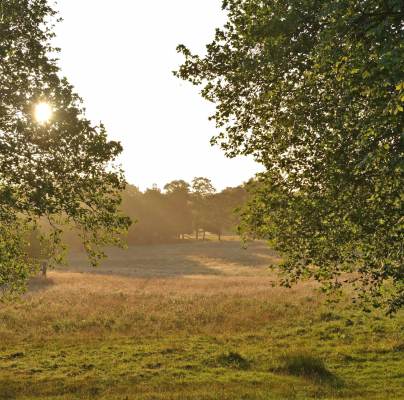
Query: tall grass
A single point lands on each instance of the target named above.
(191, 321)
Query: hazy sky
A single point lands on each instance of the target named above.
(119, 55)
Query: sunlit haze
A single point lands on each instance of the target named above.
(43, 112)
(120, 56)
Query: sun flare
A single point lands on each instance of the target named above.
(43, 112)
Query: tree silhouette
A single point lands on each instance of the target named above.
(202, 189)
(178, 197)
(222, 208)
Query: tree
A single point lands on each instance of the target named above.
(202, 189)
(217, 215)
(315, 90)
(155, 224)
(222, 210)
(178, 196)
(60, 170)
(152, 210)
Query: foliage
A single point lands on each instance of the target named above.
(202, 190)
(61, 171)
(233, 360)
(153, 211)
(202, 187)
(315, 91)
(15, 264)
(178, 197)
(306, 365)
(179, 210)
(222, 210)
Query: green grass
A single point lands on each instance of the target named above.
(365, 365)
(84, 336)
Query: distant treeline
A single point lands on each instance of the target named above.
(165, 215)
(180, 209)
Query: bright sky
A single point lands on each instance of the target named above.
(120, 55)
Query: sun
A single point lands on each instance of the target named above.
(43, 112)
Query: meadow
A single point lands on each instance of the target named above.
(192, 320)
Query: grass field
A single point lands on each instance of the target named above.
(192, 321)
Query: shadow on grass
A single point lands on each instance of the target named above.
(309, 367)
(173, 260)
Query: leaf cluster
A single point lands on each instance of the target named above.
(62, 171)
(314, 91)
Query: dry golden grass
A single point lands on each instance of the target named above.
(186, 288)
(191, 321)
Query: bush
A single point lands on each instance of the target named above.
(306, 366)
(233, 360)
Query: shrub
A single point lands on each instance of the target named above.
(233, 360)
(306, 366)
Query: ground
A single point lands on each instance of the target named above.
(192, 321)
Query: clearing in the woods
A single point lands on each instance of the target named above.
(192, 320)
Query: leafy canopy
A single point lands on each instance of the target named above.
(61, 171)
(315, 91)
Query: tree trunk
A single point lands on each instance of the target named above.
(203, 235)
(44, 269)
(197, 234)
(219, 235)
